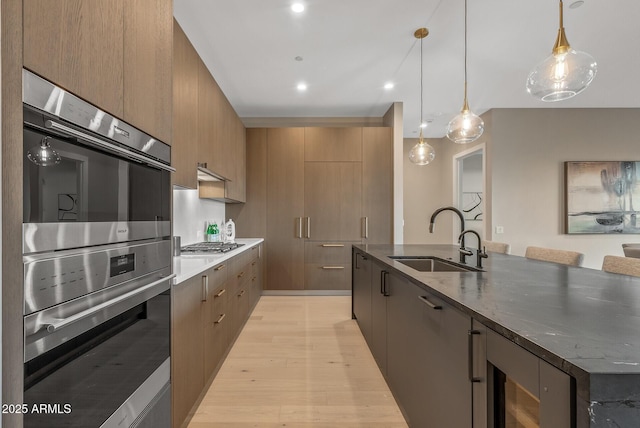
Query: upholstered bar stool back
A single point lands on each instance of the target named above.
(571, 258)
(497, 247)
(631, 250)
(623, 265)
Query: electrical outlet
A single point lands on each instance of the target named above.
(499, 230)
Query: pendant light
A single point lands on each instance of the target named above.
(466, 126)
(422, 153)
(564, 74)
(43, 154)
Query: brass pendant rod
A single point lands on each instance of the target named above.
(562, 44)
(465, 106)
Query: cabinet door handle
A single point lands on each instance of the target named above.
(333, 245)
(365, 227)
(219, 268)
(355, 261)
(220, 318)
(385, 292)
(241, 293)
(253, 263)
(332, 267)
(308, 228)
(221, 292)
(428, 303)
(205, 287)
(299, 221)
(241, 274)
(472, 333)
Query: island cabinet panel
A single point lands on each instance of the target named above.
(78, 47)
(187, 346)
(148, 93)
(285, 208)
(427, 356)
(361, 293)
(378, 343)
(184, 155)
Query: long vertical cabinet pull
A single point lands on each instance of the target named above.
(308, 231)
(383, 283)
(205, 287)
(472, 333)
(364, 227)
(299, 221)
(355, 262)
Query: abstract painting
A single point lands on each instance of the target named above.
(600, 197)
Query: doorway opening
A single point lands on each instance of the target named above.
(470, 187)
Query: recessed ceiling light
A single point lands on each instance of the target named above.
(388, 85)
(302, 87)
(298, 58)
(576, 4)
(423, 125)
(297, 7)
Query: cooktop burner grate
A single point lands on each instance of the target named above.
(210, 247)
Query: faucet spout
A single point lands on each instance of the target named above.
(480, 254)
(460, 216)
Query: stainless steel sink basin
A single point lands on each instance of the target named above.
(432, 264)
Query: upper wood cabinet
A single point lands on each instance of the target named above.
(116, 56)
(333, 144)
(185, 109)
(377, 185)
(237, 156)
(148, 29)
(79, 47)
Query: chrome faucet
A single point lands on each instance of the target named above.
(481, 254)
(457, 211)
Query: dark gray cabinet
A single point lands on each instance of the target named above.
(378, 343)
(362, 293)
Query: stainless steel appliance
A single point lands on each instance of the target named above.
(97, 266)
(201, 248)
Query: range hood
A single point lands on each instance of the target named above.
(213, 186)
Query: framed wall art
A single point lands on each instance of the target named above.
(602, 197)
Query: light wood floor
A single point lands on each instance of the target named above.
(300, 362)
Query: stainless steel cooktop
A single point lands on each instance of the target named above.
(209, 247)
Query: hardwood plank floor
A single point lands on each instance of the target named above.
(300, 361)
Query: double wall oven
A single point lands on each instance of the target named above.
(97, 266)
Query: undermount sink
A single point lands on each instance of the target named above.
(432, 264)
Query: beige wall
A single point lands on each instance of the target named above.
(530, 147)
(429, 187)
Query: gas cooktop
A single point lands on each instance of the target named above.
(209, 247)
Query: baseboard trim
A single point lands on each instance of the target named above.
(306, 292)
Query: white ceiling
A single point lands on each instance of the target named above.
(351, 48)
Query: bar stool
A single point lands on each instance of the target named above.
(571, 258)
(622, 265)
(497, 247)
(631, 250)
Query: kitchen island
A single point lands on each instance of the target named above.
(583, 322)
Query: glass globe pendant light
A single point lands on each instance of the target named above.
(466, 126)
(564, 74)
(43, 154)
(422, 153)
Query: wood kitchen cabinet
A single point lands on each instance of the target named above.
(377, 185)
(106, 55)
(332, 201)
(208, 312)
(187, 346)
(333, 144)
(148, 52)
(78, 47)
(285, 208)
(236, 157)
(185, 110)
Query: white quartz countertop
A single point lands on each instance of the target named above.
(188, 266)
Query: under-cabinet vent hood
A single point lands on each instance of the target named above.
(207, 175)
(213, 186)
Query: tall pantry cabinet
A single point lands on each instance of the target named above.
(326, 188)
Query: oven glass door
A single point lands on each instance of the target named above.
(88, 185)
(84, 381)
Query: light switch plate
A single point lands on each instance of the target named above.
(499, 229)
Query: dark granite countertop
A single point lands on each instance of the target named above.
(584, 321)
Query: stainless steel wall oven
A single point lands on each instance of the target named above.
(97, 266)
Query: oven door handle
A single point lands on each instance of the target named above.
(106, 145)
(54, 324)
